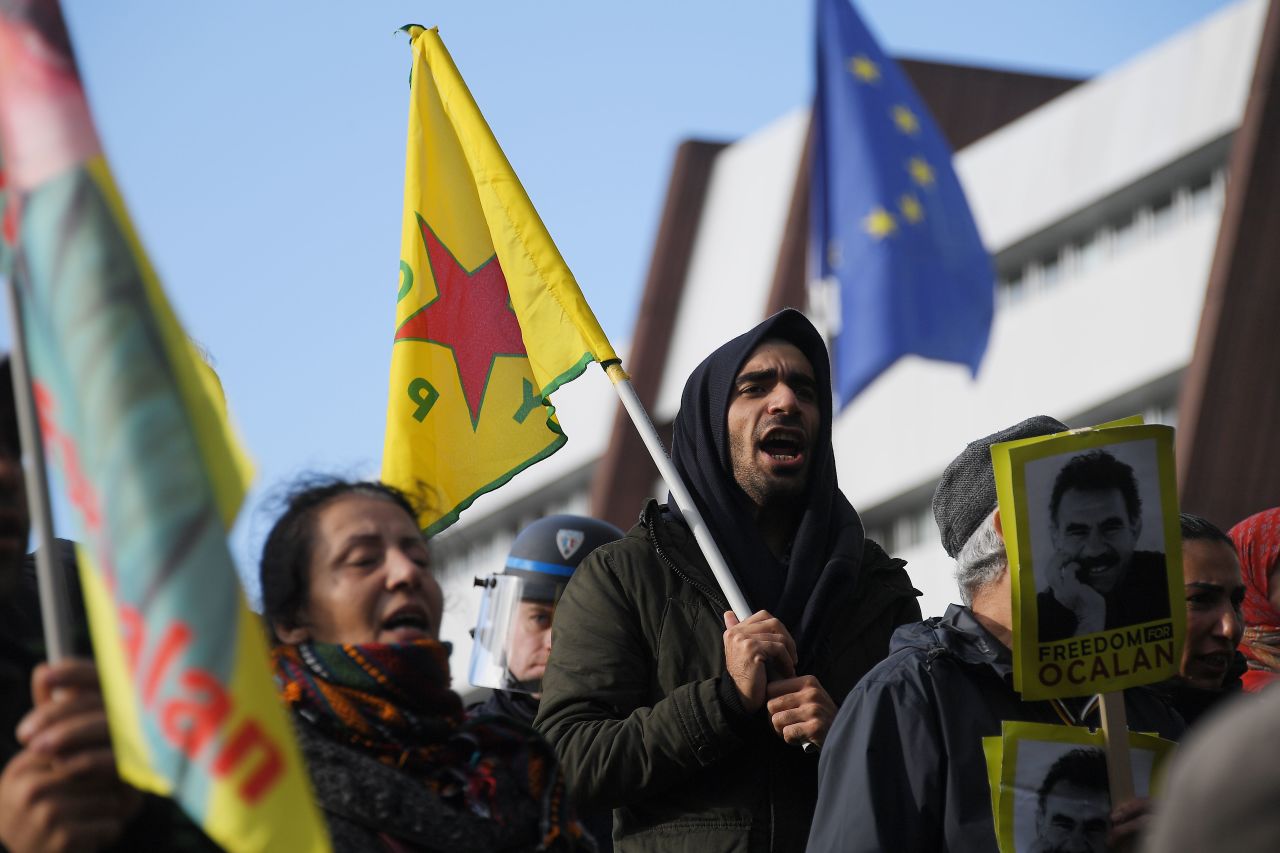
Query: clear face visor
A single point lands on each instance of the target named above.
(513, 632)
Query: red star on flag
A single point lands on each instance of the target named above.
(471, 315)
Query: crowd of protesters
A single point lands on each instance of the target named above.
(650, 718)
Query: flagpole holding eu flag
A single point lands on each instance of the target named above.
(890, 224)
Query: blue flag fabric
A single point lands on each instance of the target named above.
(890, 223)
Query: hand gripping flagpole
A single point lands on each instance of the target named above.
(55, 604)
(644, 425)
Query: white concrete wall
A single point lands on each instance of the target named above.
(735, 251)
(933, 574)
(1107, 133)
(1060, 353)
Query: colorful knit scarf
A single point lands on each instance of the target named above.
(394, 703)
(1257, 540)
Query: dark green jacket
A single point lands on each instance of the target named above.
(644, 718)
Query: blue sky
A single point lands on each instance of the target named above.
(260, 146)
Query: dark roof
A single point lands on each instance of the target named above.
(969, 102)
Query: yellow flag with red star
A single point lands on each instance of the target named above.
(489, 319)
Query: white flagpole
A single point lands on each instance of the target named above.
(719, 568)
(55, 605)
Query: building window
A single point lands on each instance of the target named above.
(1094, 251)
(1163, 214)
(1165, 413)
(1050, 271)
(1084, 253)
(912, 527)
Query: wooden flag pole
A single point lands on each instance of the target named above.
(1115, 729)
(55, 604)
(653, 442)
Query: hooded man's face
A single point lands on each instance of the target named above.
(772, 422)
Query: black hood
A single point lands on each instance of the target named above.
(828, 539)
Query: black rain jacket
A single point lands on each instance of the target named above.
(903, 768)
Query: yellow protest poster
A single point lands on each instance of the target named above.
(993, 752)
(1049, 788)
(1090, 522)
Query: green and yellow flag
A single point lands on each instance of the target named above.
(136, 422)
(489, 320)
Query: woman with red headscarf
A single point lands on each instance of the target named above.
(1257, 540)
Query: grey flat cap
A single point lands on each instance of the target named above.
(967, 492)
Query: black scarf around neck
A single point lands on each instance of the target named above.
(827, 548)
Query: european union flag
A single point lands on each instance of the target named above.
(890, 221)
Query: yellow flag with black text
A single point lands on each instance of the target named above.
(489, 319)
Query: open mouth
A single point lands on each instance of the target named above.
(406, 624)
(784, 446)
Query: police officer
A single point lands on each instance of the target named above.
(513, 632)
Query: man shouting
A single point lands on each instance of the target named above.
(661, 705)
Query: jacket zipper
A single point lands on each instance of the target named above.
(662, 555)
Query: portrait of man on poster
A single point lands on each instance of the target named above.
(1098, 577)
(1073, 805)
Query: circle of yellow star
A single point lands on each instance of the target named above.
(879, 223)
(921, 171)
(864, 69)
(910, 207)
(906, 120)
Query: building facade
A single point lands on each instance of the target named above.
(1100, 201)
